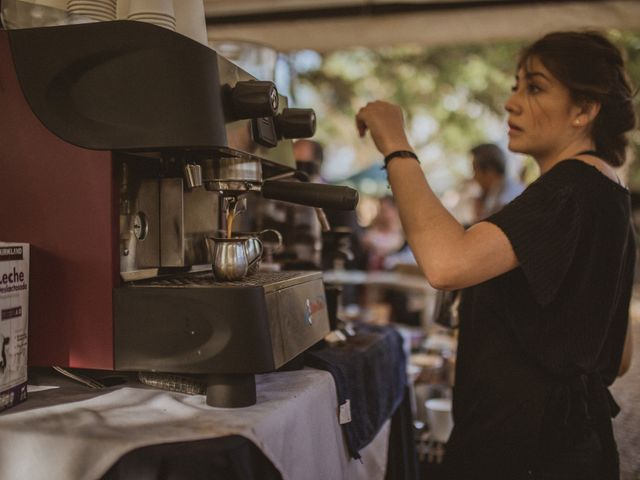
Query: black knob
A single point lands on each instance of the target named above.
(254, 99)
(296, 123)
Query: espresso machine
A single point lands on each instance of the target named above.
(123, 145)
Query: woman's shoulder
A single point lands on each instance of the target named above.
(569, 187)
(574, 173)
(575, 183)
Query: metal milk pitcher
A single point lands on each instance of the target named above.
(230, 260)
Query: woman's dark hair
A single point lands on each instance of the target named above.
(592, 68)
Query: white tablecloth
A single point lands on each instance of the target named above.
(294, 423)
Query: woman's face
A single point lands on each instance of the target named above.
(542, 116)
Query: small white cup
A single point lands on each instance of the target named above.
(439, 418)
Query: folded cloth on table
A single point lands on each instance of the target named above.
(370, 375)
(75, 433)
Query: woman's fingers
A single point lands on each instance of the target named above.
(385, 123)
(361, 125)
(364, 117)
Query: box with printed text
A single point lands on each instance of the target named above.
(14, 314)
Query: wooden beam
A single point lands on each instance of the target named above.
(489, 23)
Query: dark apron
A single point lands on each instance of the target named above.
(578, 407)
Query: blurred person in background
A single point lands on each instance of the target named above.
(491, 189)
(309, 155)
(304, 232)
(488, 190)
(490, 173)
(384, 236)
(299, 224)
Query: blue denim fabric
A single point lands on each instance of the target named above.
(369, 371)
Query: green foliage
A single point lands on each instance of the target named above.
(455, 86)
(630, 42)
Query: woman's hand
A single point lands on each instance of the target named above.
(386, 123)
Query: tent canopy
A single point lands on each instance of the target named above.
(326, 25)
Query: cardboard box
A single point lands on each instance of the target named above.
(14, 314)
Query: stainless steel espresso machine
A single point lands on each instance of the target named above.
(123, 143)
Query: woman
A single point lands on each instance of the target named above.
(543, 328)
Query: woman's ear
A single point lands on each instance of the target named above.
(587, 114)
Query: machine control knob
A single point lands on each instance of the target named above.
(296, 123)
(254, 99)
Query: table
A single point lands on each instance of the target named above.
(76, 434)
(132, 431)
(405, 282)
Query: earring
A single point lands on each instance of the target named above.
(576, 122)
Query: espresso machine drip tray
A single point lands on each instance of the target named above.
(229, 331)
(269, 281)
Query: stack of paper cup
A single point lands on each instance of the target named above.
(99, 10)
(190, 20)
(158, 12)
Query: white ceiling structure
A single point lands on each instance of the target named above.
(326, 25)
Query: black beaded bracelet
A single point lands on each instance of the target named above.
(399, 153)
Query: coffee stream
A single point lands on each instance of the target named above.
(230, 217)
(234, 207)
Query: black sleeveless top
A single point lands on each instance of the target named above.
(539, 344)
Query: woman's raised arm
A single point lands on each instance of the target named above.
(450, 256)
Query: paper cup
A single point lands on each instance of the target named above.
(439, 418)
(190, 20)
(168, 26)
(158, 16)
(103, 5)
(90, 10)
(122, 9)
(156, 12)
(96, 9)
(153, 19)
(151, 6)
